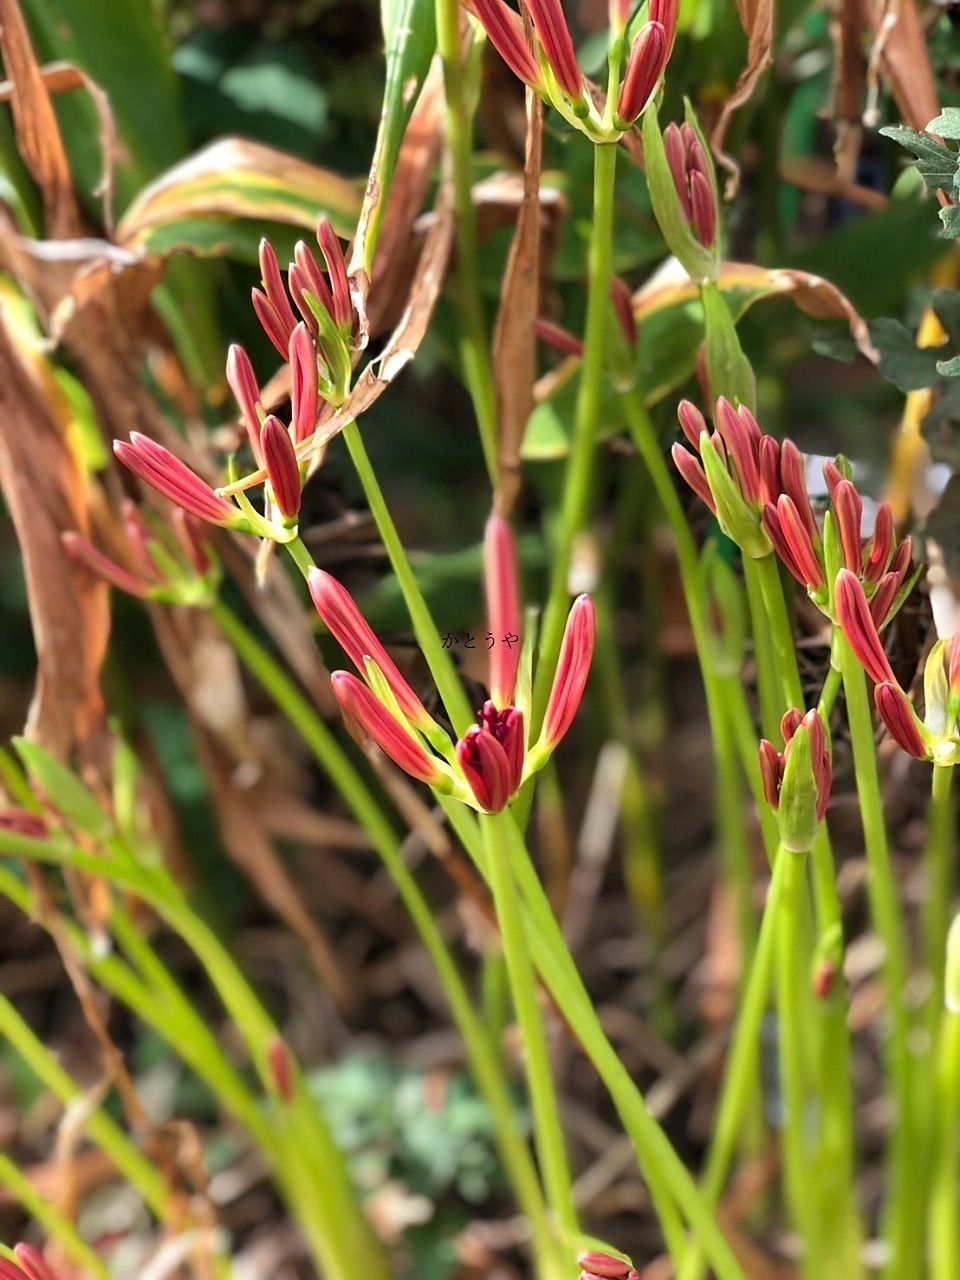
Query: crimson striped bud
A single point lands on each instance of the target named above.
(304, 395)
(501, 582)
(23, 822)
(742, 446)
(794, 481)
(769, 465)
(623, 307)
(33, 1264)
(704, 209)
(281, 1068)
(881, 544)
(141, 537)
(693, 473)
(272, 280)
(573, 668)
(490, 754)
(174, 479)
(797, 780)
(859, 628)
(281, 466)
(883, 599)
(676, 153)
(554, 36)
(346, 623)
(800, 543)
(341, 307)
(505, 31)
(243, 383)
(665, 12)
(900, 718)
(848, 509)
(692, 422)
(271, 322)
(645, 64)
(305, 276)
(367, 711)
(603, 1265)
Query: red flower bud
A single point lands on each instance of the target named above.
(505, 31)
(487, 768)
(23, 822)
(692, 422)
(304, 396)
(342, 304)
(623, 307)
(794, 481)
(378, 723)
(798, 539)
(501, 581)
(81, 551)
(859, 628)
(346, 623)
(243, 384)
(573, 668)
(881, 544)
(160, 468)
(648, 57)
(278, 1061)
(34, 1264)
(848, 508)
(604, 1265)
(742, 446)
(272, 324)
(559, 338)
(693, 473)
(554, 35)
(665, 12)
(704, 209)
(769, 464)
(280, 463)
(898, 715)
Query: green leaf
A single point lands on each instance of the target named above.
(728, 369)
(410, 38)
(946, 124)
(950, 217)
(935, 162)
(949, 368)
(64, 789)
(902, 362)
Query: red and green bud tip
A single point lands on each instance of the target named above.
(174, 479)
(272, 306)
(491, 756)
(304, 395)
(897, 713)
(573, 668)
(366, 710)
(859, 628)
(281, 466)
(341, 307)
(502, 585)
(82, 551)
(797, 780)
(562, 340)
(622, 300)
(504, 30)
(648, 57)
(246, 392)
(597, 1265)
(690, 170)
(280, 1066)
(23, 822)
(557, 44)
(347, 625)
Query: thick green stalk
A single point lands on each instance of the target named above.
(773, 698)
(441, 665)
(548, 1130)
(904, 1215)
(472, 329)
(939, 861)
(578, 478)
(944, 1212)
(792, 966)
(741, 1074)
(483, 1058)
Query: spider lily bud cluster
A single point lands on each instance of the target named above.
(173, 564)
(757, 489)
(318, 348)
(597, 1265)
(797, 780)
(683, 192)
(547, 60)
(693, 180)
(935, 737)
(487, 766)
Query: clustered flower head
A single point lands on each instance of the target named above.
(486, 767)
(173, 564)
(693, 179)
(797, 780)
(935, 737)
(30, 1265)
(597, 1265)
(757, 489)
(318, 347)
(547, 60)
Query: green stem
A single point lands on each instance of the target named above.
(670, 1183)
(547, 1127)
(578, 478)
(790, 973)
(944, 1211)
(346, 779)
(437, 658)
(904, 1214)
(740, 1077)
(56, 1225)
(773, 702)
(472, 329)
(941, 841)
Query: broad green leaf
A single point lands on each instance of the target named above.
(410, 39)
(950, 217)
(935, 162)
(238, 179)
(64, 789)
(728, 370)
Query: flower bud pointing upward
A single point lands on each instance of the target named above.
(505, 32)
(304, 397)
(648, 57)
(859, 628)
(573, 668)
(503, 607)
(554, 35)
(243, 384)
(282, 468)
(391, 737)
(898, 715)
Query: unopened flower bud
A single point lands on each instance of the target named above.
(648, 57)
(573, 668)
(282, 468)
(278, 1061)
(502, 586)
(504, 29)
(554, 35)
(173, 478)
(604, 1265)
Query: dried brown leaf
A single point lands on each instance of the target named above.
(514, 334)
(756, 17)
(900, 47)
(35, 125)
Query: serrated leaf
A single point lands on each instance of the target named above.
(64, 789)
(949, 368)
(902, 362)
(935, 162)
(946, 124)
(950, 217)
